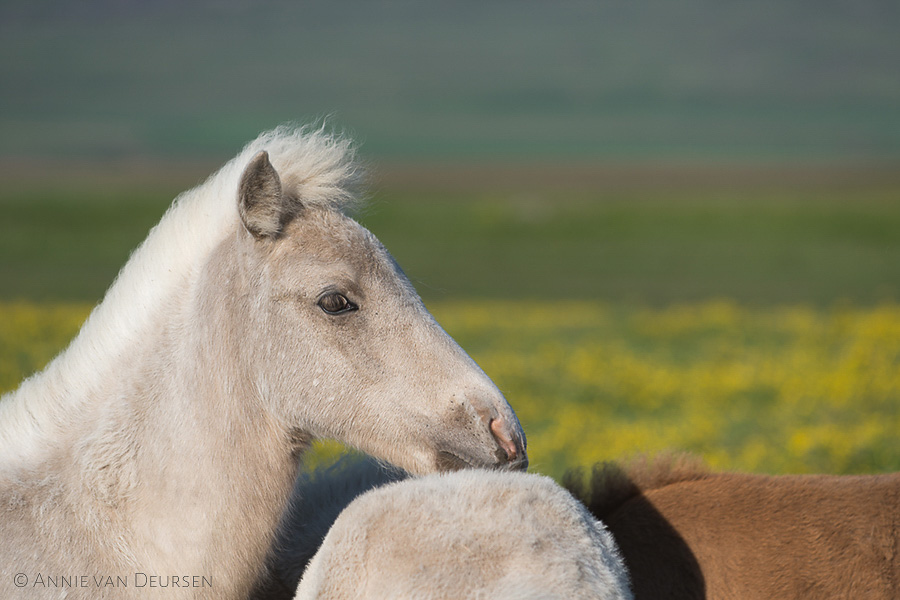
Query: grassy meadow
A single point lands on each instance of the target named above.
(756, 323)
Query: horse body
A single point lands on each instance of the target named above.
(688, 533)
(256, 316)
(469, 534)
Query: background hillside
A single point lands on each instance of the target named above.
(689, 80)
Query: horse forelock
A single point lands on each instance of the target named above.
(317, 168)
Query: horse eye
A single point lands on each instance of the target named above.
(335, 304)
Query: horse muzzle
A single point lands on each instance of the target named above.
(499, 444)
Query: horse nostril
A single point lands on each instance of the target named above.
(498, 429)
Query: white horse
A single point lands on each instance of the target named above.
(466, 535)
(160, 448)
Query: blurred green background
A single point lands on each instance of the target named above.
(602, 159)
(696, 79)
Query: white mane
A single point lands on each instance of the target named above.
(314, 166)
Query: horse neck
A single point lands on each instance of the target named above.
(172, 455)
(215, 469)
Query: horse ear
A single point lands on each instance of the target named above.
(260, 202)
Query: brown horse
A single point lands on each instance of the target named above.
(689, 533)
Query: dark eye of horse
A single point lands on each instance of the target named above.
(335, 304)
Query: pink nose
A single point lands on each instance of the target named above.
(499, 429)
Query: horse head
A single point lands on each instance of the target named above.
(337, 343)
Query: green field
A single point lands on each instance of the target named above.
(756, 324)
(792, 241)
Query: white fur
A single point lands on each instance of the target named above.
(466, 535)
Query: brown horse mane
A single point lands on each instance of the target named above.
(611, 484)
